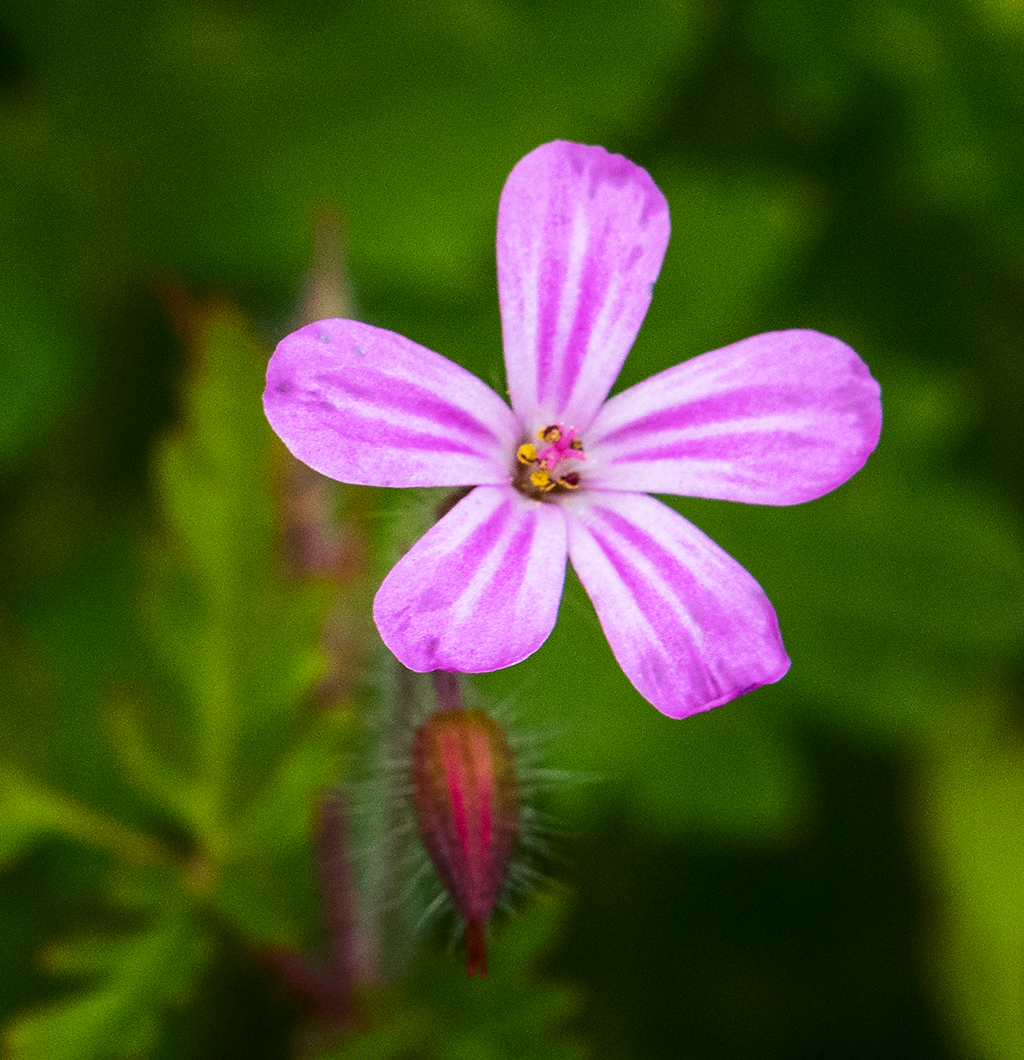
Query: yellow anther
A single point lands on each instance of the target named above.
(577, 445)
(549, 434)
(526, 454)
(570, 481)
(542, 480)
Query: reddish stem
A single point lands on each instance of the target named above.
(449, 694)
(338, 894)
(476, 949)
(327, 986)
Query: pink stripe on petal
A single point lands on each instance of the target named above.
(688, 625)
(367, 406)
(581, 237)
(480, 590)
(779, 418)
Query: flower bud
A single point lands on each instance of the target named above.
(466, 802)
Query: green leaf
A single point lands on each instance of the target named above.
(972, 806)
(42, 354)
(148, 762)
(130, 979)
(193, 140)
(735, 238)
(241, 643)
(444, 1015)
(898, 590)
(263, 886)
(30, 809)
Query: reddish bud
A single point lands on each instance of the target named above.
(464, 793)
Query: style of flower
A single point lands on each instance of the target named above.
(780, 418)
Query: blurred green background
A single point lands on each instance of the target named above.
(832, 866)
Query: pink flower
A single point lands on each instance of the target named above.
(780, 418)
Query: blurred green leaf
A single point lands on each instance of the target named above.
(130, 979)
(267, 869)
(30, 810)
(736, 237)
(282, 806)
(512, 1014)
(972, 811)
(147, 763)
(40, 350)
(199, 137)
(233, 755)
(919, 598)
(242, 645)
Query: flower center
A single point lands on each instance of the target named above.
(545, 472)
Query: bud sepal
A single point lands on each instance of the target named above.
(466, 800)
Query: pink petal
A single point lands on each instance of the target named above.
(480, 590)
(581, 237)
(367, 406)
(776, 419)
(689, 626)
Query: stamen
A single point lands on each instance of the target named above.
(542, 471)
(542, 480)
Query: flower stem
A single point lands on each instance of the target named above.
(338, 895)
(449, 694)
(327, 986)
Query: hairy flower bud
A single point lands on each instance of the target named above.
(466, 802)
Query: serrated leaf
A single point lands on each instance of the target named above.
(149, 765)
(242, 644)
(31, 809)
(262, 888)
(131, 979)
(281, 808)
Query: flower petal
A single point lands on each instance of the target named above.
(480, 590)
(689, 626)
(367, 406)
(775, 419)
(581, 237)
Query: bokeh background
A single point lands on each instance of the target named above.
(829, 867)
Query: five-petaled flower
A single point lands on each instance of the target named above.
(780, 418)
